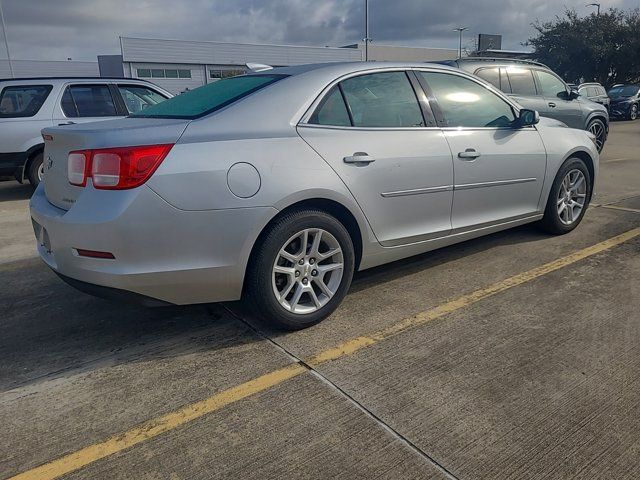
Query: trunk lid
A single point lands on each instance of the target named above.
(127, 132)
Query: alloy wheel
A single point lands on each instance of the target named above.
(40, 172)
(634, 112)
(572, 197)
(598, 129)
(307, 271)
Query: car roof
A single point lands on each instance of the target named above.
(337, 69)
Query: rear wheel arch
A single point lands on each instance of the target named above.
(32, 153)
(333, 208)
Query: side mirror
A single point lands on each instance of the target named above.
(527, 118)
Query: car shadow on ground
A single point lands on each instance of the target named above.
(11, 190)
(49, 330)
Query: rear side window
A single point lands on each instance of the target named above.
(138, 98)
(209, 98)
(521, 80)
(22, 101)
(382, 100)
(88, 101)
(331, 111)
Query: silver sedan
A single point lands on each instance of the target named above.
(277, 186)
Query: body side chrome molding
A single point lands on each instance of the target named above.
(467, 186)
(418, 191)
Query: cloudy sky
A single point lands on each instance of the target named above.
(81, 29)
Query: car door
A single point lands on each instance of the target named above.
(562, 106)
(136, 98)
(385, 146)
(499, 168)
(86, 102)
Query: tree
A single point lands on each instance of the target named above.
(604, 48)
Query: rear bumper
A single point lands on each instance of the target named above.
(163, 253)
(10, 163)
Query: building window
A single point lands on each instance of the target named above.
(163, 73)
(218, 74)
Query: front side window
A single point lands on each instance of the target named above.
(521, 81)
(331, 111)
(465, 103)
(88, 101)
(551, 85)
(382, 99)
(137, 98)
(22, 101)
(491, 75)
(209, 98)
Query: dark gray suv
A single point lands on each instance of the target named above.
(534, 86)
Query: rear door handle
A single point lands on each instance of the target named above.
(66, 123)
(552, 105)
(359, 158)
(469, 154)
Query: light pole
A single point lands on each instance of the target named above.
(597, 5)
(366, 30)
(6, 43)
(460, 30)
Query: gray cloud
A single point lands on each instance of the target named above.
(81, 29)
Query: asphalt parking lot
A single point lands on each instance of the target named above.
(511, 356)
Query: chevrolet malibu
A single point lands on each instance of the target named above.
(277, 186)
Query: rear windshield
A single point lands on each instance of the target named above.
(22, 100)
(209, 98)
(624, 91)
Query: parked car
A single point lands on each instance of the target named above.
(29, 105)
(277, 186)
(535, 86)
(624, 101)
(595, 92)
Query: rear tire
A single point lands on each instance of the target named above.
(35, 170)
(568, 199)
(295, 278)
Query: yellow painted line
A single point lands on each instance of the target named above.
(624, 209)
(158, 426)
(170, 421)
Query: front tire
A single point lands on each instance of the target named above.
(599, 129)
(301, 270)
(633, 112)
(568, 199)
(36, 170)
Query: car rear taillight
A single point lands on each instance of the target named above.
(115, 168)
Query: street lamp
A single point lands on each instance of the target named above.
(6, 43)
(597, 5)
(366, 30)
(460, 30)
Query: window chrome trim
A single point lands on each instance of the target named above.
(497, 183)
(417, 191)
(365, 129)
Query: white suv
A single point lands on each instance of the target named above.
(29, 105)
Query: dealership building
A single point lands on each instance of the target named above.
(180, 65)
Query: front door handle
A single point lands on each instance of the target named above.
(66, 123)
(359, 158)
(469, 154)
(552, 105)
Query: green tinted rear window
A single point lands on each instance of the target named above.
(209, 98)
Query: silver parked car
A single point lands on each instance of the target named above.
(535, 86)
(276, 186)
(27, 105)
